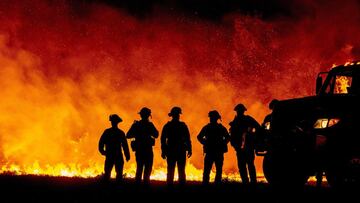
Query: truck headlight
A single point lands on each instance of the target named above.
(322, 123)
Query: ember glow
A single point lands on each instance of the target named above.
(64, 68)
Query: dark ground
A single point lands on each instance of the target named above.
(62, 189)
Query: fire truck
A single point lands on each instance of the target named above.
(317, 134)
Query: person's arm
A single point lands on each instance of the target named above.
(234, 135)
(155, 132)
(131, 133)
(243, 139)
(254, 123)
(102, 143)
(163, 139)
(188, 141)
(255, 134)
(226, 135)
(201, 136)
(125, 147)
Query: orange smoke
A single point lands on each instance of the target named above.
(64, 69)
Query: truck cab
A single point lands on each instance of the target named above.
(317, 134)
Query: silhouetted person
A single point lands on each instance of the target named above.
(110, 145)
(214, 138)
(144, 133)
(175, 146)
(267, 118)
(263, 135)
(242, 130)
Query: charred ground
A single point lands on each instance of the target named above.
(30, 188)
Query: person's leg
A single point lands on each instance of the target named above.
(139, 167)
(219, 161)
(119, 167)
(252, 169)
(148, 167)
(242, 166)
(109, 163)
(171, 162)
(181, 163)
(208, 162)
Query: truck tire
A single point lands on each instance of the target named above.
(344, 174)
(282, 171)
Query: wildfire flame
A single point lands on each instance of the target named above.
(64, 68)
(342, 84)
(75, 170)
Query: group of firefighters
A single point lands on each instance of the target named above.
(176, 145)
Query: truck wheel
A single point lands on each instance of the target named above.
(270, 170)
(345, 174)
(283, 172)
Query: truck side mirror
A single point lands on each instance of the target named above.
(319, 82)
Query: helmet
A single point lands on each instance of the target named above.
(273, 103)
(240, 107)
(214, 114)
(175, 111)
(145, 111)
(115, 118)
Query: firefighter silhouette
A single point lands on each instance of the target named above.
(144, 133)
(175, 146)
(242, 133)
(214, 138)
(262, 137)
(111, 144)
(267, 118)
